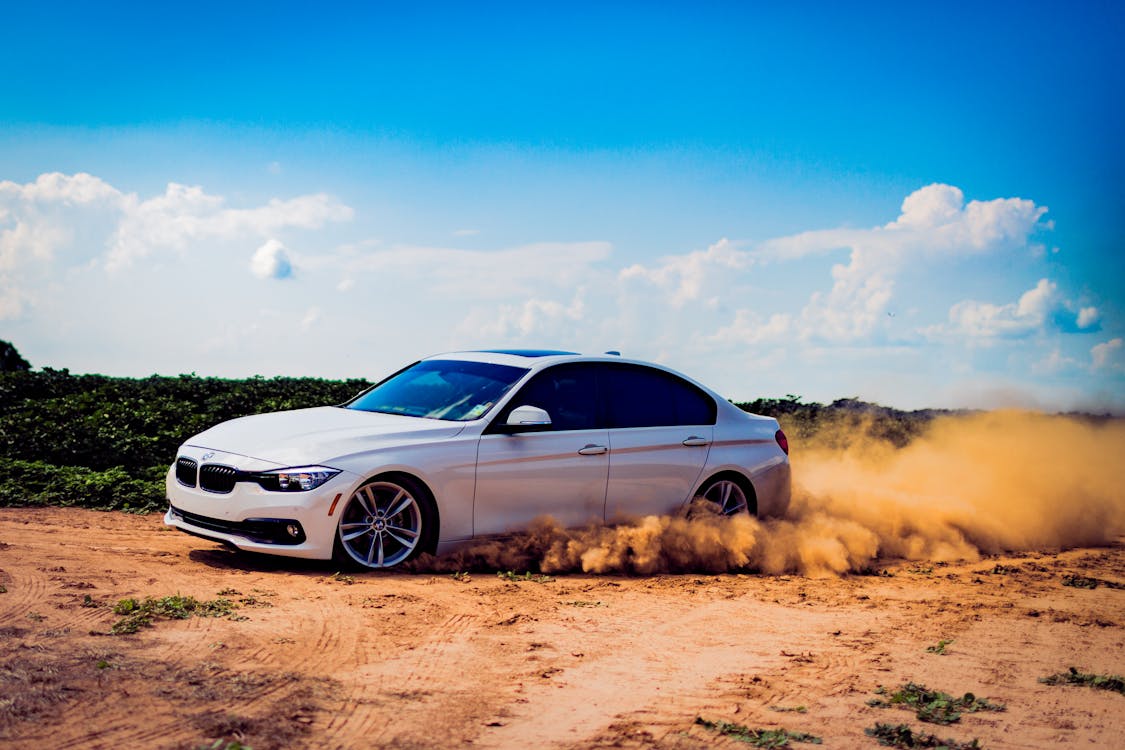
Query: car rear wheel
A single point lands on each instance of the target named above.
(385, 522)
(728, 494)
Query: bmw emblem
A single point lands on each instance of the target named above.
(208, 456)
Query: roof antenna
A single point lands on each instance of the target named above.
(613, 353)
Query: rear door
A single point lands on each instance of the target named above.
(661, 428)
(560, 472)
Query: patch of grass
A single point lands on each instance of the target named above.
(757, 737)
(921, 570)
(1086, 582)
(933, 706)
(343, 578)
(869, 571)
(461, 576)
(509, 575)
(1113, 682)
(902, 736)
(789, 709)
(88, 602)
(36, 617)
(103, 664)
(232, 745)
(939, 649)
(140, 614)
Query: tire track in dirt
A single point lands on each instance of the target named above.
(25, 595)
(404, 682)
(674, 665)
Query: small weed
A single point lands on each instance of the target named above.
(508, 575)
(218, 745)
(103, 664)
(343, 578)
(869, 571)
(3, 589)
(934, 706)
(253, 601)
(902, 736)
(88, 602)
(939, 649)
(136, 615)
(1113, 682)
(757, 737)
(36, 617)
(230, 592)
(789, 709)
(461, 576)
(1085, 582)
(921, 570)
(581, 603)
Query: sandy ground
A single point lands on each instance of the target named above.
(311, 659)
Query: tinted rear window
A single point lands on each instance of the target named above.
(646, 397)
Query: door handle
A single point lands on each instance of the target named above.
(696, 440)
(592, 450)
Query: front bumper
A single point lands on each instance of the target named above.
(253, 519)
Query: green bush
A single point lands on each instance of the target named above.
(36, 483)
(100, 442)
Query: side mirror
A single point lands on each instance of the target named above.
(528, 419)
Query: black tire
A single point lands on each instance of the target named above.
(388, 520)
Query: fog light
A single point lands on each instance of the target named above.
(294, 530)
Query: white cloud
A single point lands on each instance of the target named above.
(1109, 355)
(185, 214)
(311, 318)
(466, 232)
(270, 261)
(984, 320)
(686, 277)
(751, 328)
(1053, 363)
(542, 318)
(1038, 310)
(1088, 317)
(52, 187)
(934, 223)
(511, 273)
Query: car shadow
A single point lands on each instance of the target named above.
(224, 558)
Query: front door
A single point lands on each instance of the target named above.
(560, 472)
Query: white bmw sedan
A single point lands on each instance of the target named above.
(473, 444)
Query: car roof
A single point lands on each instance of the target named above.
(538, 359)
(526, 358)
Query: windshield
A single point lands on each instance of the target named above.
(440, 389)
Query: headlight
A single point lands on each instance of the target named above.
(297, 479)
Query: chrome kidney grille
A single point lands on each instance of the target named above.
(217, 478)
(185, 471)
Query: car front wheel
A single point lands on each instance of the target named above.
(385, 522)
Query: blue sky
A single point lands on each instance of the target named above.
(914, 205)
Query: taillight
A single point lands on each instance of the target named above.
(782, 441)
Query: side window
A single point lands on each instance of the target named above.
(645, 397)
(693, 406)
(569, 393)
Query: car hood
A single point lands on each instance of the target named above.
(311, 436)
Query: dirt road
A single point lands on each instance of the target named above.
(313, 659)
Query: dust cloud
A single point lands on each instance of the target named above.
(967, 486)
